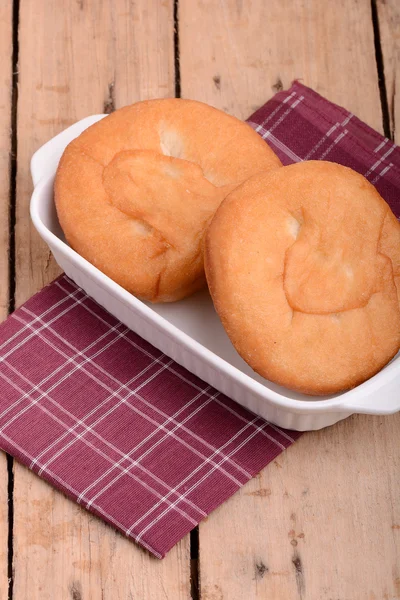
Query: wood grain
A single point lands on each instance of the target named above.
(88, 58)
(250, 50)
(389, 29)
(5, 149)
(63, 553)
(322, 521)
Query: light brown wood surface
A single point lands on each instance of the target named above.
(322, 522)
(77, 61)
(389, 28)
(235, 55)
(63, 553)
(5, 148)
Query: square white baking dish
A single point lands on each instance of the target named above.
(190, 332)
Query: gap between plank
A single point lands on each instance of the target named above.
(13, 159)
(10, 494)
(381, 72)
(194, 564)
(176, 51)
(194, 534)
(11, 270)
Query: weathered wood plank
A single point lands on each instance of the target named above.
(75, 60)
(250, 50)
(5, 149)
(322, 521)
(63, 553)
(389, 29)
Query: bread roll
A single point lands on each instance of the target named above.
(303, 264)
(135, 192)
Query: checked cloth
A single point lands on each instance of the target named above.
(118, 426)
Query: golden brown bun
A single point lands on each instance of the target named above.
(303, 264)
(135, 192)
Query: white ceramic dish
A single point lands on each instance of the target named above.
(190, 331)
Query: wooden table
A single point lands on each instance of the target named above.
(322, 521)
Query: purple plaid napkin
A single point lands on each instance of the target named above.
(302, 125)
(118, 426)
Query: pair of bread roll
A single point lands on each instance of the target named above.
(302, 262)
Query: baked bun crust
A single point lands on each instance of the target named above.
(135, 192)
(303, 265)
